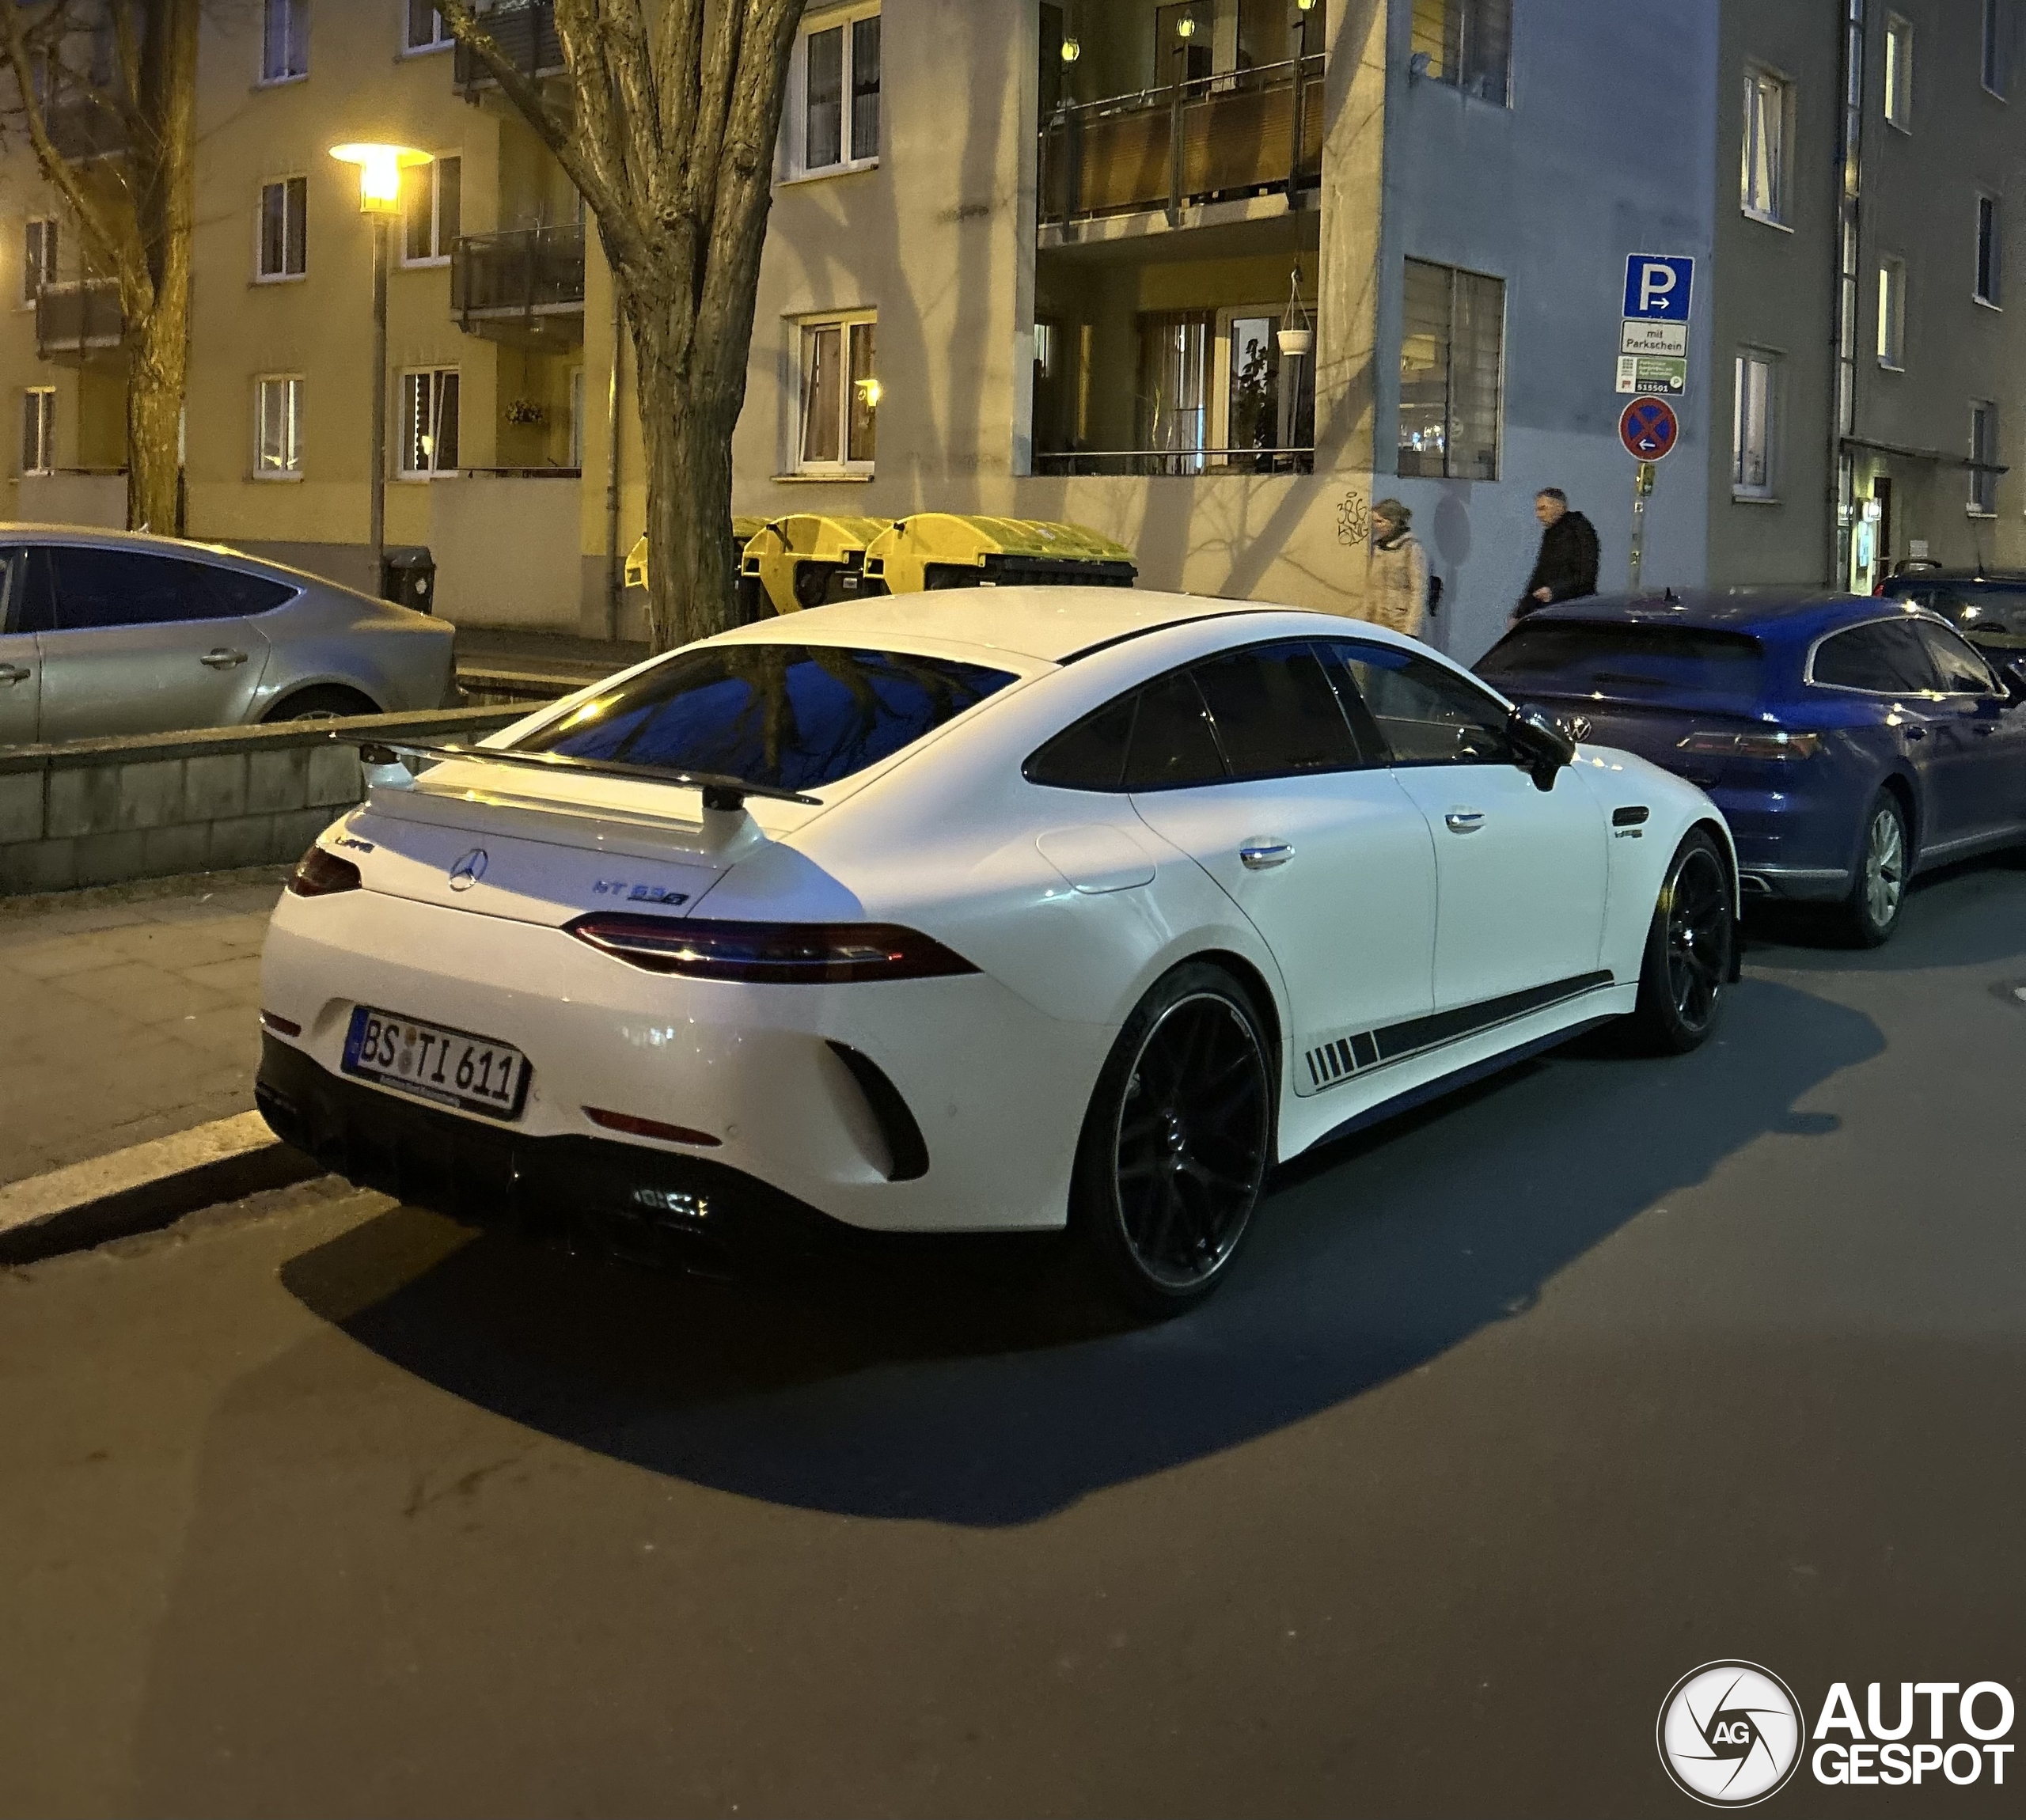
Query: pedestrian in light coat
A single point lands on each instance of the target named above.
(1397, 583)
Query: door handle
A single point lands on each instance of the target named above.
(13, 674)
(1464, 820)
(222, 659)
(1264, 855)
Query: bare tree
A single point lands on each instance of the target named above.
(674, 109)
(119, 78)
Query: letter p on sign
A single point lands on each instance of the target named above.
(1658, 288)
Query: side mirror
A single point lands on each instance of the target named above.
(2012, 678)
(1542, 744)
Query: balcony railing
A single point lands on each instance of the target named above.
(1175, 463)
(78, 318)
(1214, 138)
(83, 129)
(524, 272)
(524, 29)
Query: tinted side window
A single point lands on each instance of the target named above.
(1172, 744)
(96, 588)
(1425, 714)
(1990, 616)
(1090, 754)
(1886, 658)
(1275, 712)
(237, 593)
(1961, 670)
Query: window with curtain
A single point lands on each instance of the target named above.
(432, 208)
(1891, 312)
(39, 430)
(1899, 70)
(1452, 360)
(840, 414)
(1468, 45)
(284, 228)
(833, 111)
(284, 40)
(429, 421)
(1754, 402)
(1763, 191)
(277, 425)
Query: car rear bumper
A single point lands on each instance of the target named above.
(1823, 885)
(647, 1204)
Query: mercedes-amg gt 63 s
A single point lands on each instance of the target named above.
(988, 909)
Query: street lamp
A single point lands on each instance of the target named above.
(380, 168)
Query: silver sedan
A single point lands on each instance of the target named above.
(110, 633)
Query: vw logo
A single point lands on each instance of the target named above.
(468, 870)
(1578, 726)
(1730, 1733)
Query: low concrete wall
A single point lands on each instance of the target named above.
(103, 811)
(99, 500)
(507, 551)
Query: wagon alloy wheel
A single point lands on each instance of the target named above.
(1189, 1152)
(1885, 867)
(1698, 937)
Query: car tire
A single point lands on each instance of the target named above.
(1177, 1143)
(327, 701)
(1690, 947)
(1878, 894)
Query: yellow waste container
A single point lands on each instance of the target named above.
(747, 594)
(809, 559)
(953, 550)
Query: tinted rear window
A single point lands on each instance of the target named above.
(1991, 615)
(795, 716)
(1631, 662)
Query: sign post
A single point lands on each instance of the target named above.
(1652, 365)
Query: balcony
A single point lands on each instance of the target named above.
(82, 129)
(525, 285)
(525, 30)
(1213, 139)
(1175, 463)
(76, 321)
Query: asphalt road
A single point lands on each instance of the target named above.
(1514, 1413)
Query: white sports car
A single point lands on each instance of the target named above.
(982, 909)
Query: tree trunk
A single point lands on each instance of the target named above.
(157, 363)
(690, 580)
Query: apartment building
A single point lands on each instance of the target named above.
(1208, 275)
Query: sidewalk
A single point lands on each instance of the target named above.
(133, 1013)
(573, 660)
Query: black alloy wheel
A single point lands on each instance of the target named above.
(1689, 949)
(1177, 1143)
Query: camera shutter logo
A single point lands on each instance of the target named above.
(468, 870)
(1730, 1733)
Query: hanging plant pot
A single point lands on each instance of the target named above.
(1296, 342)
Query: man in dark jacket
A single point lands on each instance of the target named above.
(1567, 566)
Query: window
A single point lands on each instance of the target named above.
(1425, 714)
(432, 206)
(1172, 745)
(1885, 658)
(284, 41)
(96, 588)
(425, 29)
(1958, 669)
(277, 425)
(1753, 408)
(1626, 662)
(1275, 713)
(1468, 45)
(38, 258)
(429, 421)
(1983, 459)
(1763, 194)
(1452, 360)
(39, 430)
(1997, 51)
(833, 105)
(1899, 71)
(1990, 251)
(840, 395)
(1891, 312)
(786, 715)
(284, 225)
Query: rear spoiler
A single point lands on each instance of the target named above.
(720, 792)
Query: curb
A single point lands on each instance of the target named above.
(145, 1188)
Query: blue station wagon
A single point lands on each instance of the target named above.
(1850, 742)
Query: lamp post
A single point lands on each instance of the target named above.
(380, 168)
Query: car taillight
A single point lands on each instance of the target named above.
(773, 954)
(1754, 745)
(318, 873)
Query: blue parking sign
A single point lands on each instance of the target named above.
(1657, 287)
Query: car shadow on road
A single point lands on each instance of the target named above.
(980, 1382)
(1962, 915)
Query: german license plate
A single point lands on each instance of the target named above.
(452, 1067)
